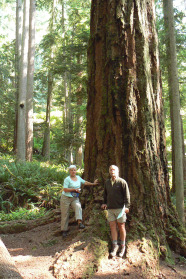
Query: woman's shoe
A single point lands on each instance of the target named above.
(64, 234)
(81, 226)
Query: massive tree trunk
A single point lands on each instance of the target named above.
(125, 124)
(176, 125)
(30, 83)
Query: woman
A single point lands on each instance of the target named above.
(70, 196)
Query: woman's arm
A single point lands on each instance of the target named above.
(71, 190)
(95, 183)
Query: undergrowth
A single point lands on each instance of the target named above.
(23, 214)
(29, 184)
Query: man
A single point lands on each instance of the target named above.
(117, 200)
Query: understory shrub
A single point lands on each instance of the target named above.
(25, 183)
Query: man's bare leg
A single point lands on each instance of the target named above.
(122, 231)
(114, 235)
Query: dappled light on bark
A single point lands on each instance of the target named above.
(125, 121)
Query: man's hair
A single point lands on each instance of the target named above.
(113, 166)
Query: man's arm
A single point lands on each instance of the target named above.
(127, 197)
(95, 183)
(126, 194)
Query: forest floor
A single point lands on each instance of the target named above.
(42, 253)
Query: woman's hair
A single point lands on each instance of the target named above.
(72, 167)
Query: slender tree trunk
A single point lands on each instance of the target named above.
(46, 142)
(125, 123)
(21, 131)
(30, 83)
(68, 116)
(67, 123)
(177, 144)
(17, 65)
(79, 120)
(65, 103)
(79, 149)
(70, 120)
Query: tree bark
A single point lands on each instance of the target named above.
(177, 144)
(21, 130)
(7, 265)
(79, 120)
(17, 65)
(46, 141)
(79, 133)
(125, 123)
(30, 83)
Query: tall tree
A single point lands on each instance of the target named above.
(125, 124)
(46, 141)
(79, 132)
(17, 63)
(30, 83)
(176, 125)
(68, 115)
(21, 130)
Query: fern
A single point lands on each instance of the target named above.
(30, 182)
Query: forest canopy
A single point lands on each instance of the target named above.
(68, 40)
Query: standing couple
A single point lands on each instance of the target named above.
(116, 200)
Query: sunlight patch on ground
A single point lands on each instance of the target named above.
(21, 258)
(30, 265)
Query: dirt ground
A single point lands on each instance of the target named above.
(42, 253)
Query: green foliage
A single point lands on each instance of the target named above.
(67, 39)
(23, 214)
(23, 184)
(7, 100)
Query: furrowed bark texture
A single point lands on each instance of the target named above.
(125, 123)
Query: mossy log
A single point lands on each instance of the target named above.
(7, 265)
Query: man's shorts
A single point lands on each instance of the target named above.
(113, 214)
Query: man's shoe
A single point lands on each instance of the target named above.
(122, 251)
(81, 226)
(115, 248)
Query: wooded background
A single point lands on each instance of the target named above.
(44, 84)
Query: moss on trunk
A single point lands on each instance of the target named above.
(125, 122)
